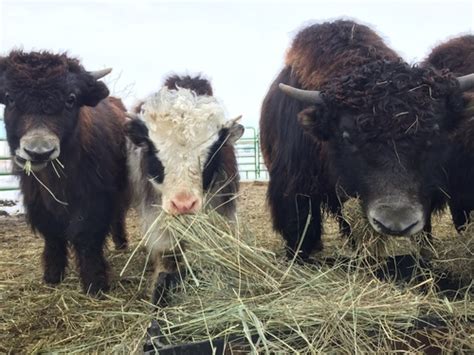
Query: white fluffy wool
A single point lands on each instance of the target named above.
(182, 114)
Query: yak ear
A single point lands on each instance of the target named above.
(315, 122)
(137, 131)
(235, 130)
(94, 92)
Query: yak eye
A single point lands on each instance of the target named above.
(71, 100)
(9, 100)
(347, 137)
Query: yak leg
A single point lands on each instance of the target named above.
(55, 247)
(88, 232)
(118, 230)
(92, 264)
(54, 259)
(460, 216)
(297, 218)
(166, 276)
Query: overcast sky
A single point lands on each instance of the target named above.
(240, 46)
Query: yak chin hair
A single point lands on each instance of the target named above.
(182, 110)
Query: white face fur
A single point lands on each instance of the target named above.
(183, 128)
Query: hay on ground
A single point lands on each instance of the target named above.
(234, 288)
(453, 256)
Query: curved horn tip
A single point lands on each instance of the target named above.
(100, 73)
(311, 96)
(466, 82)
(285, 88)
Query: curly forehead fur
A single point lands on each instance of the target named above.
(36, 68)
(404, 100)
(182, 112)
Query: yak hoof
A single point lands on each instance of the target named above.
(53, 277)
(121, 245)
(300, 258)
(166, 282)
(95, 289)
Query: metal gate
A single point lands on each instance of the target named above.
(8, 182)
(249, 156)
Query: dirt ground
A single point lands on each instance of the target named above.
(21, 270)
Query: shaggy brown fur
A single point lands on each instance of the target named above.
(457, 55)
(93, 181)
(355, 45)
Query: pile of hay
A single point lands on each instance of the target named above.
(36, 318)
(234, 288)
(453, 255)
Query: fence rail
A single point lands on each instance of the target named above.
(249, 158)
(8, 182)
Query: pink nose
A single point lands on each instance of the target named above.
(184, 203)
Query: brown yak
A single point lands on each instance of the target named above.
(346, 116)
(68, 146)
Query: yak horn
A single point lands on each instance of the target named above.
(236, 120)
(466, 82)
(311, 96)
(100, 73)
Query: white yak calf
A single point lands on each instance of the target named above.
(181, 151)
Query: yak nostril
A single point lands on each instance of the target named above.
(39, 155)
(188, 205)
(174, 206)
(193, 205)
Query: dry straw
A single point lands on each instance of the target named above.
(242, 290)
(235, 289)
(453, 255)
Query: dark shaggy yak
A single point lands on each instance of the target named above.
(181, 160)
(457, 56)
(364, 123)
(61, 126)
